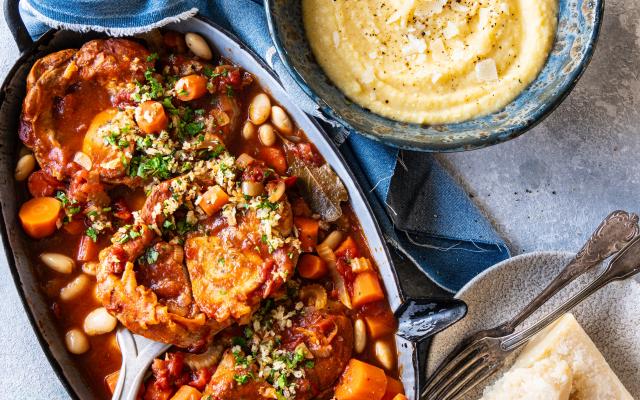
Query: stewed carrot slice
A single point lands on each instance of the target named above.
(366, 289)
(150, 117)
(39, 216)
(312, 267)
(361, 381)
(394, 388)
(191, 87)
(187, 392)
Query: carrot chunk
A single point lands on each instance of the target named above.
(274, 158)
(400, 396)
(187, 392)
(361, 381)
(312, 267)
(394, 388)
(366, 289)
(348, 248)
(112, 380)
(307, 232)
(191, 87)
(87, 249)
(150, 117)
(213, 200)
(39, 216)
(380, 326)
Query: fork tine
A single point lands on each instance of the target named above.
(452, 371)
(468, 372)
(446, 367)
(470, 381)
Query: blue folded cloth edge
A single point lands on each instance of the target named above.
(450, 252)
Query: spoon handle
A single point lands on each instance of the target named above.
(617, 229)
(623, 266)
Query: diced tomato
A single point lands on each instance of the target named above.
(289, 181)
(74, 227)
(201, 378)
(156, 391)
(87, 249)
(274, 157)
(121, 210)
(42, 184)
(308, 153)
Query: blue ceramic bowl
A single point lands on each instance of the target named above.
(578, 28)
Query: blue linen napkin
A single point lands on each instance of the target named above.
(439, 228)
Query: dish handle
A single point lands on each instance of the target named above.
(16, 25)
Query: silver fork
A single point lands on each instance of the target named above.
(480, 360)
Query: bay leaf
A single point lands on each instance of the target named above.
(320, 185)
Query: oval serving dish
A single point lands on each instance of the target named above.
(578, 29)
(13, 194)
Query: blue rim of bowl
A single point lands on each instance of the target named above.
(457, 145)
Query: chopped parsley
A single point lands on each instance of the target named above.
(151, 256)
(92, 234)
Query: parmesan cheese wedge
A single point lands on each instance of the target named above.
(562, 344)
(549, 379)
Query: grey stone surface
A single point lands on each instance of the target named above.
(549, 188)
(544, 191)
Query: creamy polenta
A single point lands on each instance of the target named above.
(431, 61)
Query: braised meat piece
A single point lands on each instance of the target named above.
(141, 284)
(66, 90)
(234, 270)
(305, 358)
(162, 270)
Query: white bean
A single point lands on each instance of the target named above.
(333, 240)
(259, 109)
(248, 130)
(90, 267)
(359, 336)
(384, 354)
(198, 46)
(267, 135)
(250, 188)
(281, 120)
(26, 164)
(58, 262)
(83, 160)
(75, 287)
(77, 342)
(99, 321)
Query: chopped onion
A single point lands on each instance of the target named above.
(329, 257)
(83, 160)
(244, 160)
(333, 240)
(314, 295)
(486, 70)
(278, 192)
(252, 188)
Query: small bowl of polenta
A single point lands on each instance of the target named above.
(436, 75)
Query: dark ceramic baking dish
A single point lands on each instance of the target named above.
(13, 194)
